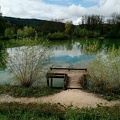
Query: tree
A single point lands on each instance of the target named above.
(20, 33)
(92, 22)
(26, 32)
(9, 33)
(114, 23)
(29, 31)
(83, 33)
(77, 31)
(68, 27)
(27, 63)
(2, 25)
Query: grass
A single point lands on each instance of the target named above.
(19, 91)
(108, 95)
(15, 111)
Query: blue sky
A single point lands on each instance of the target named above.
(68, 10)
(84, 3)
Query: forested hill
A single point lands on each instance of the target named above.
(91, 26)
(40, 25)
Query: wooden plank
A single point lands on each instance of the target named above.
(56, 76)
(68, 69)
(75, 80)
(72, 79)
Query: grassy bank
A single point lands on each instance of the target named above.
(10, 111)
(19, 91)
(105, 94)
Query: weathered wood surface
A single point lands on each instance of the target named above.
(68, 69)
(75, 77)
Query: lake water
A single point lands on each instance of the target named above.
(69, 53)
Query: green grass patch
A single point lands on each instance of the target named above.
(108, 95)
(19, 91)
(15, 111)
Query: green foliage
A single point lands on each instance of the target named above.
(68, 27)
(29, 31)
(19, 91)
(43, 26)
(23, 42)
(96, 34)
(27, 63)
(9, 33)
(2, 25)
(20, 33)
(92, 47)
(104, 71)
(100, 113)
(92, 26)
(83, 32)
(76, 31)
(57, 36)
(10, 111)
(3, 55)
(15, 111)
(26, 32)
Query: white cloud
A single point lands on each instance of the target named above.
(75, 52)
(101, 2)
(42, 10)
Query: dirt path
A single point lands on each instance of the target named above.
(74, 97)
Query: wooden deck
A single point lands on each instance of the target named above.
(73, 78)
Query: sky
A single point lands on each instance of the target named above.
(69, 10)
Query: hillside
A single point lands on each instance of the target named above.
(39, 25)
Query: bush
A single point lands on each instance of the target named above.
(4, 38)
(104, 71)
(27, 63)
(79, 32)
(26, 32)
(57, 35)
(9, 33)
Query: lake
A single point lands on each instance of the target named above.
(69, 53)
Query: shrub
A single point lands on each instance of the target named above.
(9, 33)
(26, 32)
(27, 63)
(104, 71)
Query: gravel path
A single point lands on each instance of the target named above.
(74, 97)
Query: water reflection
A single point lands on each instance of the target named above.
(64, 57)
(78, 53)
(68, 53)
